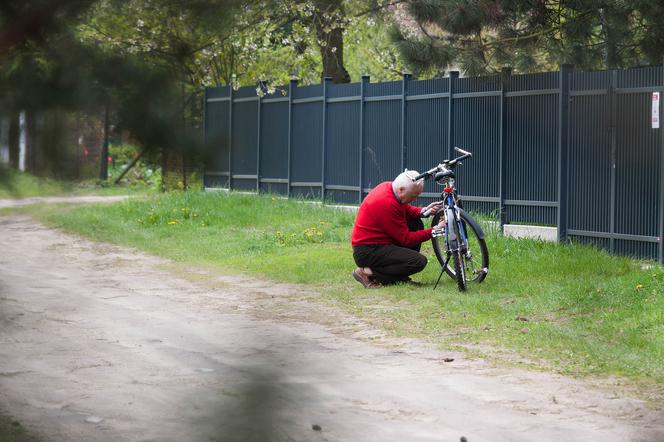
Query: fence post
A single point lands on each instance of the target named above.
(262, 86)
(404, 93)
(291, 89)
(563, 150)
(660, 252)
(206, 149)
(326, 83)
(230, 137)
(505, 75)
(364, 83)
(612, 132)
(450, 114)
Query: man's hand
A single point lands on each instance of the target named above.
(439, 228)
(432, 208)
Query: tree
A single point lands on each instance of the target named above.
(52, 66)
(147, 59)
(480, 36)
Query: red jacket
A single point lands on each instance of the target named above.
(382, 220)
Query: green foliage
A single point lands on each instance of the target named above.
(369, 49)
(209, 43)
(571, 308)
(267, 40)
(12, 430)
(15, 184)
(482, 36)
(145, 173)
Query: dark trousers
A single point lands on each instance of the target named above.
(392, 263)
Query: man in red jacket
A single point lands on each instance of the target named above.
(388, 232)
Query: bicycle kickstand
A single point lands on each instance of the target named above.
(442, 270)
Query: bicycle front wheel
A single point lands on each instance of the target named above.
(473, 254)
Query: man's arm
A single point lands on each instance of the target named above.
(413, 212)
(394, 225)
(422, 212)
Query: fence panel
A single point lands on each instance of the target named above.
(216, 137)
(590, 161)
(244, 148)
(611, 158)
(274, 147)
(382, 142)
(531, 166)
(427, 129)
(342, 151)
(306, 149)
(477, 129)
(637, 163)
(426, 139)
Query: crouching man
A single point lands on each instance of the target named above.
(388, 232)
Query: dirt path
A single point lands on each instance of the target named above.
(102, 343)
(5, 203)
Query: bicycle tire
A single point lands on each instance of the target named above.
(478, 268)
(460, 275)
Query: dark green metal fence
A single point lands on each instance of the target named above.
(572, 149)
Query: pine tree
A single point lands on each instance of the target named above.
(480, 36)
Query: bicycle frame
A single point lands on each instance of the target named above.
(450, 200)
(458, 223)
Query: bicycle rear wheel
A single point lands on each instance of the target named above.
(473, 255)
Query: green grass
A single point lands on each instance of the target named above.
(12, 431)
(15, 184)
(588, 313)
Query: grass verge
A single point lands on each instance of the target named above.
(15, 184)
(12, 431)
(573, 308)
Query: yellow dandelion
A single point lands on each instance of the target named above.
(639, 286)
(172, 223)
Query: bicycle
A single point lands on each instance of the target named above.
(462, 235)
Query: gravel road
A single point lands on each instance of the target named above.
(104, 343)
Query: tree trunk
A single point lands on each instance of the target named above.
(103, 164)
(331, 42)
(13, 140)
(333, 58)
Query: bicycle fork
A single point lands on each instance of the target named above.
(451, 240)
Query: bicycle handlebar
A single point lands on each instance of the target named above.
(445, 164)
(426, 174)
